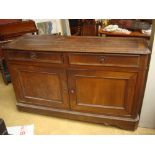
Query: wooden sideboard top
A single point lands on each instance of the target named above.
(79, 44)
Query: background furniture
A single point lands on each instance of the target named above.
(92, 79)
(5, 22)
(75, 26)
(83, 27)
(89, 27)
(4, 70)
(134, 25)
(9, 30)
(119, 34)
(3, 129)
(13, 30)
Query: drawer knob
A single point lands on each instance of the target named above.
(33, 56)
(102, 60)
(72, 91)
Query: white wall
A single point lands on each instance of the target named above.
(147, 118)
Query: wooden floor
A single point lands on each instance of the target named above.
(45, 125)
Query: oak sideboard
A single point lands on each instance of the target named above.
(93, 79)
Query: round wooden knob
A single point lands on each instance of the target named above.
(102, 60)
(72, 91)
(33, 55)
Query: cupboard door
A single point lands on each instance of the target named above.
(102, 92)
(40, 86)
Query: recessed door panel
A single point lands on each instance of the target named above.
(41, 86)
(102, 92)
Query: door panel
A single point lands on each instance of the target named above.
(102, 92)
(108, 87)
(45, 87)
(41, 86)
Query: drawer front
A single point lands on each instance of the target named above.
(104, 60)
(36, 56)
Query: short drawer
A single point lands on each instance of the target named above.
(104, 60)
(35, 56)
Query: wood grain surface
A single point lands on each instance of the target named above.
(80, 44)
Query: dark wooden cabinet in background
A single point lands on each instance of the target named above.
(92, 79)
